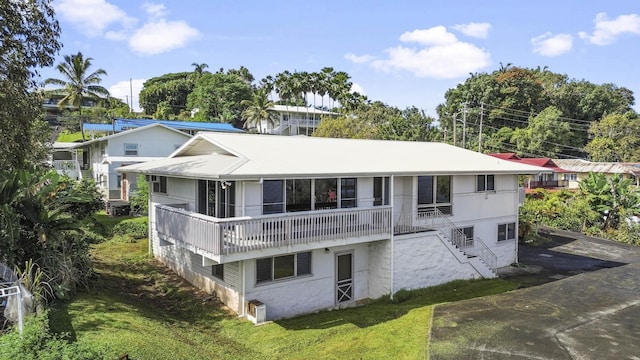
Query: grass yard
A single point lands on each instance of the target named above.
(66, 136)
(137, 307)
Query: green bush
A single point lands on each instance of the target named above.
(629, 233)
(134, 228)
(37, 343)
(401, 296)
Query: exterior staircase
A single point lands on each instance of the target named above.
(474, 250)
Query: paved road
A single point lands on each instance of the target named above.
(585, 305)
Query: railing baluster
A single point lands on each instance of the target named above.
(226, 236)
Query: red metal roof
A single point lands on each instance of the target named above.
(542, 162)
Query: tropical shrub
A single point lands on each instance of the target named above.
(139, 199)
(44, 218)
(135, 229)
(37, 343)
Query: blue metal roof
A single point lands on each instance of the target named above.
(126, 124)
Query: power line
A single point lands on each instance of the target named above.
(511, 148)
(535, 114)
(549, 142)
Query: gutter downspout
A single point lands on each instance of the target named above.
(518, 215)
(150, 217)
(391, 196)
(243, 310)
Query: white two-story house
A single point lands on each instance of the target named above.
(278, 226)
(102, 156)
(294, 120)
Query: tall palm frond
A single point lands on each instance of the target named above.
(77, 84)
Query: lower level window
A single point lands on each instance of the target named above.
(506, 232)
(283, 267)
(218, 271)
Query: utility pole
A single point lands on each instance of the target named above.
(464, 126)
(454, 128)
(480, 134)
(131, 92)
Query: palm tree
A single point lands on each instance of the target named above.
(258, 109)
(199, 68)
(77, 85)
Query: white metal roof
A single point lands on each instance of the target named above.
(129, 132)
(251, 156)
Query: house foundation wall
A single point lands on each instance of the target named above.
(306, 294)
(189, 266)
(379, 268)
(421, 260)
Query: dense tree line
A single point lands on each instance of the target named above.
(534, 112)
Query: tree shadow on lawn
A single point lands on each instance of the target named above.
(383, 310)
(147, 289)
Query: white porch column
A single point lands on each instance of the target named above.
(391, 197)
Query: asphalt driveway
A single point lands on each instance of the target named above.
(583, 303)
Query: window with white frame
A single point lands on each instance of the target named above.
(293, 195)
(380, 191)
(434, 192)
(158, 184)
(348, 192)
(485, 183)
(570, 177)
(506, 231)
(130, 149)
(283, 267)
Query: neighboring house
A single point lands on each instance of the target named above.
(553, 179)
(64, 158)
(101, 156)
(278, 226)
(52, 111)
(189, 127)
(294, 120)
(577, 169)
(131, 141)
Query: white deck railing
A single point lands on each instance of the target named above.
(65, 165)
(234, 235)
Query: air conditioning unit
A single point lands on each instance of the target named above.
(256, 311)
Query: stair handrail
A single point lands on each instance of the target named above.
(488, 256)
(459, 239)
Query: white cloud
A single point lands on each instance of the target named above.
(124, 90)
(157, 35)
(476, 30)
(92, 16)
(359, 59)
(355, 87)
(548, 44)
(441, 55)
(440, 62)
(437, 35)
(116, 35)
(606, 31)
(161, 36)
(154, 10)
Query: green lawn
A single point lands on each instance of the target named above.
(138, 307)
(65, 136)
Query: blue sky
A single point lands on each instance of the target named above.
(403, 53)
